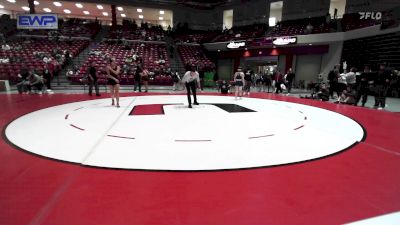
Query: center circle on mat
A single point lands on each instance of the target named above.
(162, 133)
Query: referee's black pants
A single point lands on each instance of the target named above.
(191, 85)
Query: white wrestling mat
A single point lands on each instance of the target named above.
(161, 133)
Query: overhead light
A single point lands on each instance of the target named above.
(120, 9)
(140, 16)
(99, 6)
(1, 6)
(26, 8)
(123, 15)
(12, 1)
(162, 12)
(161, 18)
(67, 11)
(57, 4)
(36, 2)
(79, 5)
(139, 10)
(46, 9)
(105, 13)
(86, 12)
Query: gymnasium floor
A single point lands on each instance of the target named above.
(268, 159)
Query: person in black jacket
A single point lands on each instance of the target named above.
(362, 86)
(138, 78)
(289, 80)
(47, 78)
(333, 80)
(92, 79)
(381, 84)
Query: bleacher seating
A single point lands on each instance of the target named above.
(193, 54)
(195, 36)
(26, 56)
(373, 51)
(130, 31)
(352, 21)
(242, 33)
(148, 52)
(299, 27)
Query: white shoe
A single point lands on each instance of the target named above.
(40, 92)
(380, 108)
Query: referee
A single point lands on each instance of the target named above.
(189, 79)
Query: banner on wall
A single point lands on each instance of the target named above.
(37, 21)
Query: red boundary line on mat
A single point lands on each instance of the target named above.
(76, 127)
(268, 135)
(192, 140)
(298, 127)
(116, 136)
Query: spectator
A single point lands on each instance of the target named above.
(47, 77)
(342, 84)
(247, 81)
(351, 77)
(36, 81)
(176, 79)
(278, 78)
(363, 86)
(289, 77)
(348, 96)
(145, 79)
(381, 84)
(333, 80)
(6, 47)
(23, 80)
(92, 79)
(138, 78)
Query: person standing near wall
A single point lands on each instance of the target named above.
(247, 81)
(333, 80)
(362, 86)
(92, 79)
(201, 76)
(138, 78)
(289, 80)
(145, 79)
(278, 81)
(381, 85)
(238, 78)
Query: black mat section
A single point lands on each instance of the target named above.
(233, 108)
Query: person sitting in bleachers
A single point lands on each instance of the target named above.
(6, 47)
(4, 60)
